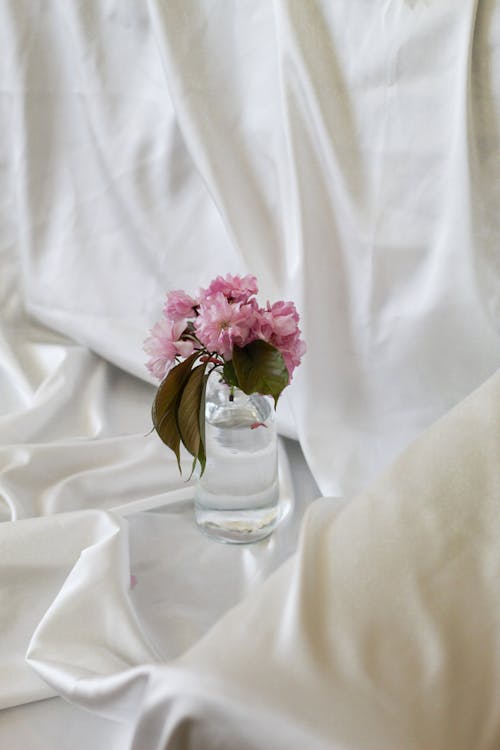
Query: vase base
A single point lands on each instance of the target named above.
(237, 526)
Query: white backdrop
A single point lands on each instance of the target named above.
(346, 153)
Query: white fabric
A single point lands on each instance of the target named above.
(383, 631)
(346, 153)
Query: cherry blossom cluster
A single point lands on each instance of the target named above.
(224, 315)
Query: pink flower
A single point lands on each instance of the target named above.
(163, 345)
(222, 324)
(179, 305)
(278, 325)
(278, 320)
(292, 351)
(234, 288)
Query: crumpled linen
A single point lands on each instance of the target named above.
(37, 555)
(382, 631)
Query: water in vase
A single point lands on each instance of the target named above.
(237, 496)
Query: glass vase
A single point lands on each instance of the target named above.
(236, 499)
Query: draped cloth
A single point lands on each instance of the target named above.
(346, 153)
(382, 631)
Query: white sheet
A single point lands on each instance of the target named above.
(383, 631)
(346, 153)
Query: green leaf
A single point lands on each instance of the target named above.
(188, 412)
(166, 403)
(202, 457)
(229, 374)
(260, 368)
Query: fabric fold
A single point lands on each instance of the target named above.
(38, 557)
(368, 637)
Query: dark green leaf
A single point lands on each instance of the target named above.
(202, 457)
(166, 403)
(188, 412)
(229, 374)
(260, 368)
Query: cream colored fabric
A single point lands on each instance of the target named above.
(382, 632)
(386, 633)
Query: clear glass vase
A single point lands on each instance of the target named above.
(236, 499)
